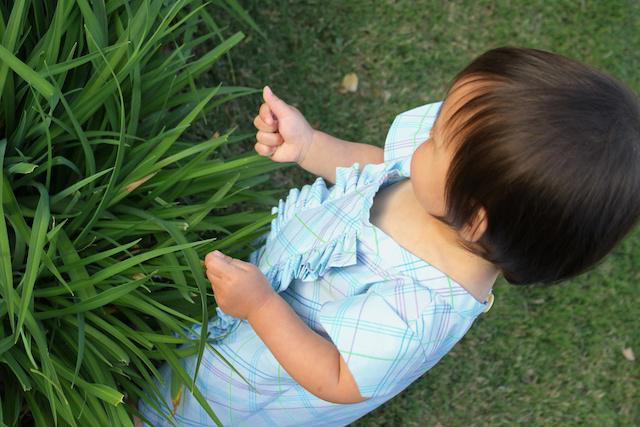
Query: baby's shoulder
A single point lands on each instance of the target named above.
(409, 129)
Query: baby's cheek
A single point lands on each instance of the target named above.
(413, 159)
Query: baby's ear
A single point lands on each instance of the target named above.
(474, 231)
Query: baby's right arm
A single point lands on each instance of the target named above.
(284, 135)
(327, 152)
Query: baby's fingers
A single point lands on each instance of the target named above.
(266, 120)
(261, 125)
(264, 150)
(269, 138)
(267, 115)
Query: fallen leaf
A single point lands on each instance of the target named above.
(350, 82)
(628, 354)
(138, 183)
(175, 400)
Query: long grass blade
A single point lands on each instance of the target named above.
(94, 302)
(101, 391)
(10, 37)
(116, 268)
(177, 369)
(82, 338)
(36, 248)
(6, 270)
(34, 79)
(239, 10)
(147, 166)
(104, 202)
(17, 370)
(196, 267)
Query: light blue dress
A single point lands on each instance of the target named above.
(391, 314)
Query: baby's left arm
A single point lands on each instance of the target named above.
(310, 359)
(242, 290)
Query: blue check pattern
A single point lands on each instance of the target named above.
(390, 314)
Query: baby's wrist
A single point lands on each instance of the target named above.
(266, 301)
(307, 147)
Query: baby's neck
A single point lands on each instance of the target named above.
(474, 273)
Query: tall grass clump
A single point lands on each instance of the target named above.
(105, 202)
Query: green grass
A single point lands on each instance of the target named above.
(541, 356)
(94, 99)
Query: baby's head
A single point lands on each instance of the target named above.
(543, 163)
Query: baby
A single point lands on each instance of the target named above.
(535, 153)
(529, 169)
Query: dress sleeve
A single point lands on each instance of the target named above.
(409, 130)
(379, 347)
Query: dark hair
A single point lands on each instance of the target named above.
(549, 148)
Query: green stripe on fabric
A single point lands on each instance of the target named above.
(353, 353)
(308, 228)
(428, 110)
(450, 290)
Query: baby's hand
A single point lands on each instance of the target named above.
(239, 287)
(283, 134)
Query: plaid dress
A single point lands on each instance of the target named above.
(391, 314)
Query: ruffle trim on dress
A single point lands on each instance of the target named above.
(314, 257)
(312, 262)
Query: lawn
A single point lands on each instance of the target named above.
(542, 355)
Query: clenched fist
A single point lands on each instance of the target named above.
(283, 134)
(239, 287)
